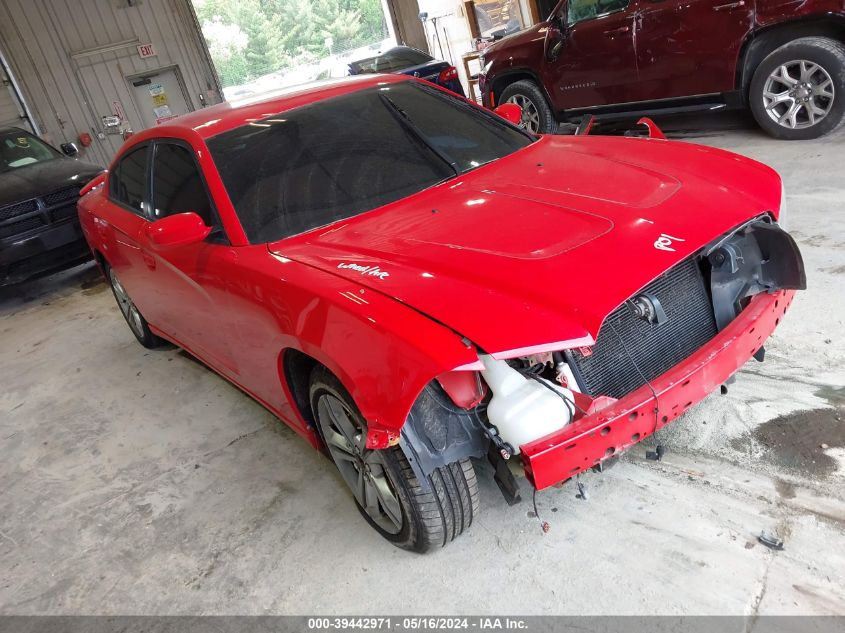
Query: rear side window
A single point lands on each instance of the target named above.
(129, 180)
(177, 184)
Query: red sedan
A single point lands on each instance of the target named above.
(410, 282)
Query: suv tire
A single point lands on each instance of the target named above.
(398, 509)
(798, 91)
(537, 116)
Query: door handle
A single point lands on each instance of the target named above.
(730, 6)
(620, 31)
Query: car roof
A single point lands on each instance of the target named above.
(228, 115)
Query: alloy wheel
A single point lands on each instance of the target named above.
(363, 470)
(133, 316)
(530, 115)
(798, 94)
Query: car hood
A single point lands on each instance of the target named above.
(37, 179)
(539, 247)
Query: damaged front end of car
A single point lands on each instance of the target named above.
(566, 410)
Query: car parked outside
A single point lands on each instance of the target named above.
(433, 284)
(612, 58)
(404, 60)
(39, 189)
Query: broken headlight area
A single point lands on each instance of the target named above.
(516, 403)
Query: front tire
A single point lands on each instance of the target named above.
(383, 484)
(537, 116)
(798, 91)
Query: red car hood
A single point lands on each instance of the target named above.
(539, 247)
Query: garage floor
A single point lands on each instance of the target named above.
(140, 482)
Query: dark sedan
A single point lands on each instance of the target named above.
(404, 60)
(39, 187)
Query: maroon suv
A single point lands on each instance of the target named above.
(785, 59)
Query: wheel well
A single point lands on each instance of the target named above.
(296, 373)
(761, 43)
(502, 82)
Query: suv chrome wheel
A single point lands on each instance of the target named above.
(362, 469)
(530, 115)
(798, 94)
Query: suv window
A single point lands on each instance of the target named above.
(579, 10)
(177, 184)
(128, 183)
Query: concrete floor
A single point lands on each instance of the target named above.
(135, 482)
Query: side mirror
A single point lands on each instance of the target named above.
(555, 38)
(510, 112)
(180, 229)
(69, 149)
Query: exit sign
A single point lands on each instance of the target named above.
(146, 50)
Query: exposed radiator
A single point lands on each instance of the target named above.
(655, 348)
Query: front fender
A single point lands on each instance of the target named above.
(383, 351)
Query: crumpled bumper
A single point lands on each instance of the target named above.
(605, 433)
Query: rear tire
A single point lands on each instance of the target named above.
(798, 91)
(134, 319)
(537, 116)
(403, 513)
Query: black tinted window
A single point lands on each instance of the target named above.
(128, 183)
(390, 61)
(579, 10)
(177, 184)
(462, 133)
(340, 157)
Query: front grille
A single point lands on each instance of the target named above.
(58, 205)
(64, 212)
(7, 230)
(19, 208)
(610, 371)
(71, 193)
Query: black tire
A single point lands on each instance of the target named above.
(134, 319)
(526, 91)
(429, 519)
(829, 55)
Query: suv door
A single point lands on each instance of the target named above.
(690, 47)
(590, 56)
(188, 281)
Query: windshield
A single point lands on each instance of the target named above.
(19, 149)
(340, 157)
(391, 61)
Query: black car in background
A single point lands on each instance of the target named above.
(404, 60)
(39, 187)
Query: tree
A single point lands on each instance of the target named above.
(281, 34)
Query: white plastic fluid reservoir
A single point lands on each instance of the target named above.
(521, 408)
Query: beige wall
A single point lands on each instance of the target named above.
(71, 59)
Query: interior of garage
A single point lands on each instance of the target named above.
(142, 479)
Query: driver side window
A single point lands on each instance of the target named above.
(580, 10)
(177, 184)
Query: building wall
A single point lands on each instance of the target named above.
(75, 61)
